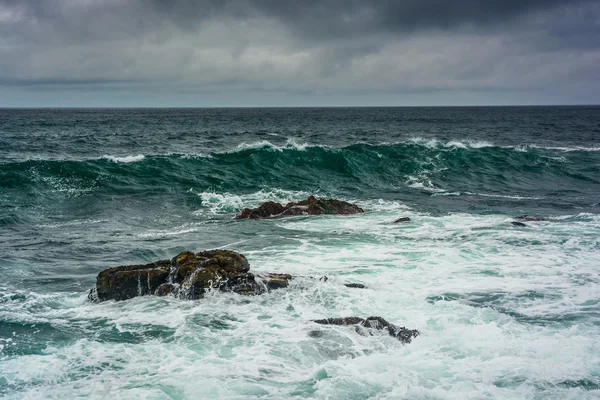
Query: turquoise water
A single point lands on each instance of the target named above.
(504, 311)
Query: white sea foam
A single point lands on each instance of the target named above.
(423, 182)
(290, 144)
(504, 312)
(222, 203)
(437, 143)
(124, 159)
(502, 196)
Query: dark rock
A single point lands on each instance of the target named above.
(121, 283)
(276, 281)
(165, 289)
(403, 219)
(355, 285)
(530, 218)
(515, 223)
(310, 206)
(265, 210)
(378, 323)
(323, 279)
(188, 275)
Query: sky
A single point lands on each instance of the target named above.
(256, 53)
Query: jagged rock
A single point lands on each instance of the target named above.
(310, 206)
(516, 223)
(530, 218)
(403, 219)
(355, 285)
(188, 275)
(378, 323)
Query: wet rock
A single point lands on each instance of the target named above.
(310, 206)
(516, 223)
(403, 219)
(378, 323)
(126, 282)
(530, 218)
(276, 281)
(355, 285)
(188, 275)
(165, 289)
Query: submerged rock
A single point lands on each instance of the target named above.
(378, 323)
(530, 218)
(188, 275)
(310, 206)
(516, 223)
(349, 285)
(355, 285)
(402, 219)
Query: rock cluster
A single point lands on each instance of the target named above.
(310, 206)
(188, 275)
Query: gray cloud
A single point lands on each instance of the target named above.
(541, 49)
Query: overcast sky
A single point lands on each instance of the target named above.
(298, 53)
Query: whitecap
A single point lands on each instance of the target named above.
(124, 159)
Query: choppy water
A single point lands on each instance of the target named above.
(505, 312)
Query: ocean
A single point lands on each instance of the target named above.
(504, 311)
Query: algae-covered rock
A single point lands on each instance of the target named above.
(378, 323)
(188, 275)
(165, 289)
(310, 206)
(276, 281)
(125, 282)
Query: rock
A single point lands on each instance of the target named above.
(515, 223)
(126, 282)
(165, 289)
(310, 206)
(355, 285)
(188, 275)
(403, 219)
(529, 218)
(378, 323)
(276, 281)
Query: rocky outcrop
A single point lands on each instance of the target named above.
(188, 275)
(377, 323)
(310, 206)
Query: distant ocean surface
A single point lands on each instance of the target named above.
(505, 312)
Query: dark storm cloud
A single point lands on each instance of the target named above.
(327, 46)
(317, 19)
(326, 18)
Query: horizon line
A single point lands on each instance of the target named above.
(290, 107)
